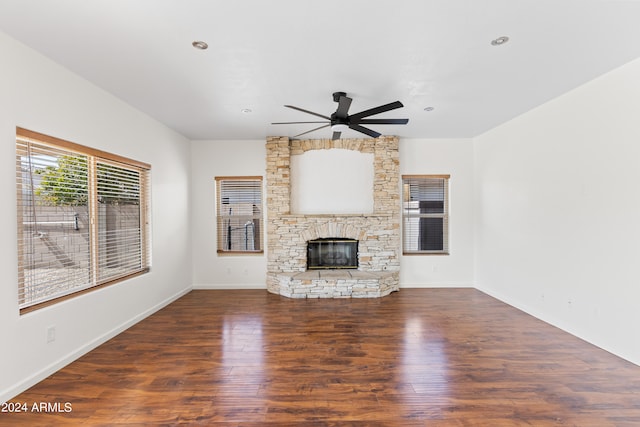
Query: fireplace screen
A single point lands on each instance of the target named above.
(332, 253)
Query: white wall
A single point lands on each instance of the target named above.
(453, 157)
(42, 96)
(208, 160)
(557, 204)
(337, 181)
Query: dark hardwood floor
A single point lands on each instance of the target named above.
(419, 357)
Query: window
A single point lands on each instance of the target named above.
(425, 214)
(82, 218)
(239, 214)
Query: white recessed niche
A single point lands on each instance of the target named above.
(335, 181)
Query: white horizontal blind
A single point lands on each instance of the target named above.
(239, 214)
(82, 219)
(53, 222)
(120, 226)
(425, 214)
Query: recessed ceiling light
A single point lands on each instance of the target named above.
(429, 108)
(246, 110)
(499, 41)
(200, 45)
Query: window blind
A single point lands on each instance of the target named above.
(120, 223)
(82, 218)
(239, 214)
(425, 214)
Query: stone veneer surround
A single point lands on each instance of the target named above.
(378, 233)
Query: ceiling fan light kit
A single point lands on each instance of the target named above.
(340, 120)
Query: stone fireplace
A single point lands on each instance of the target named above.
(377, 234)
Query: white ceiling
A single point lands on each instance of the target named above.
(265, 54)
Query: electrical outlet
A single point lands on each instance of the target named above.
(51, 334)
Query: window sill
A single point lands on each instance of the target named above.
(425, 253)
(239, 253)
(47, 303)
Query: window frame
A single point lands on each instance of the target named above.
(25, 137)
(221, 218)
(445, 215)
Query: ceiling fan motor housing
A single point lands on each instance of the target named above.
(335, 120)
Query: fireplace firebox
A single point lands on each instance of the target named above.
(332, 253)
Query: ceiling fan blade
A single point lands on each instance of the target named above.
(292, 123)
(343, 107)
(308, 112)
(336, 135)
(376, 110)
(364, 130)
(312, 130)
(383, 121)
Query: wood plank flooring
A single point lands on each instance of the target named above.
(418, 357)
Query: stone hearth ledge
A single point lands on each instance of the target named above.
(337, 283)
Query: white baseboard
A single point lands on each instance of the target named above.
(438, 285)
(32, 380)
(223, 286)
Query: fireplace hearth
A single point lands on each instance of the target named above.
(332, 253)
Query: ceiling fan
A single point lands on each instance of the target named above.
(341, 120)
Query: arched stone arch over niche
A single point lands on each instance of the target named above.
(378, 233)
